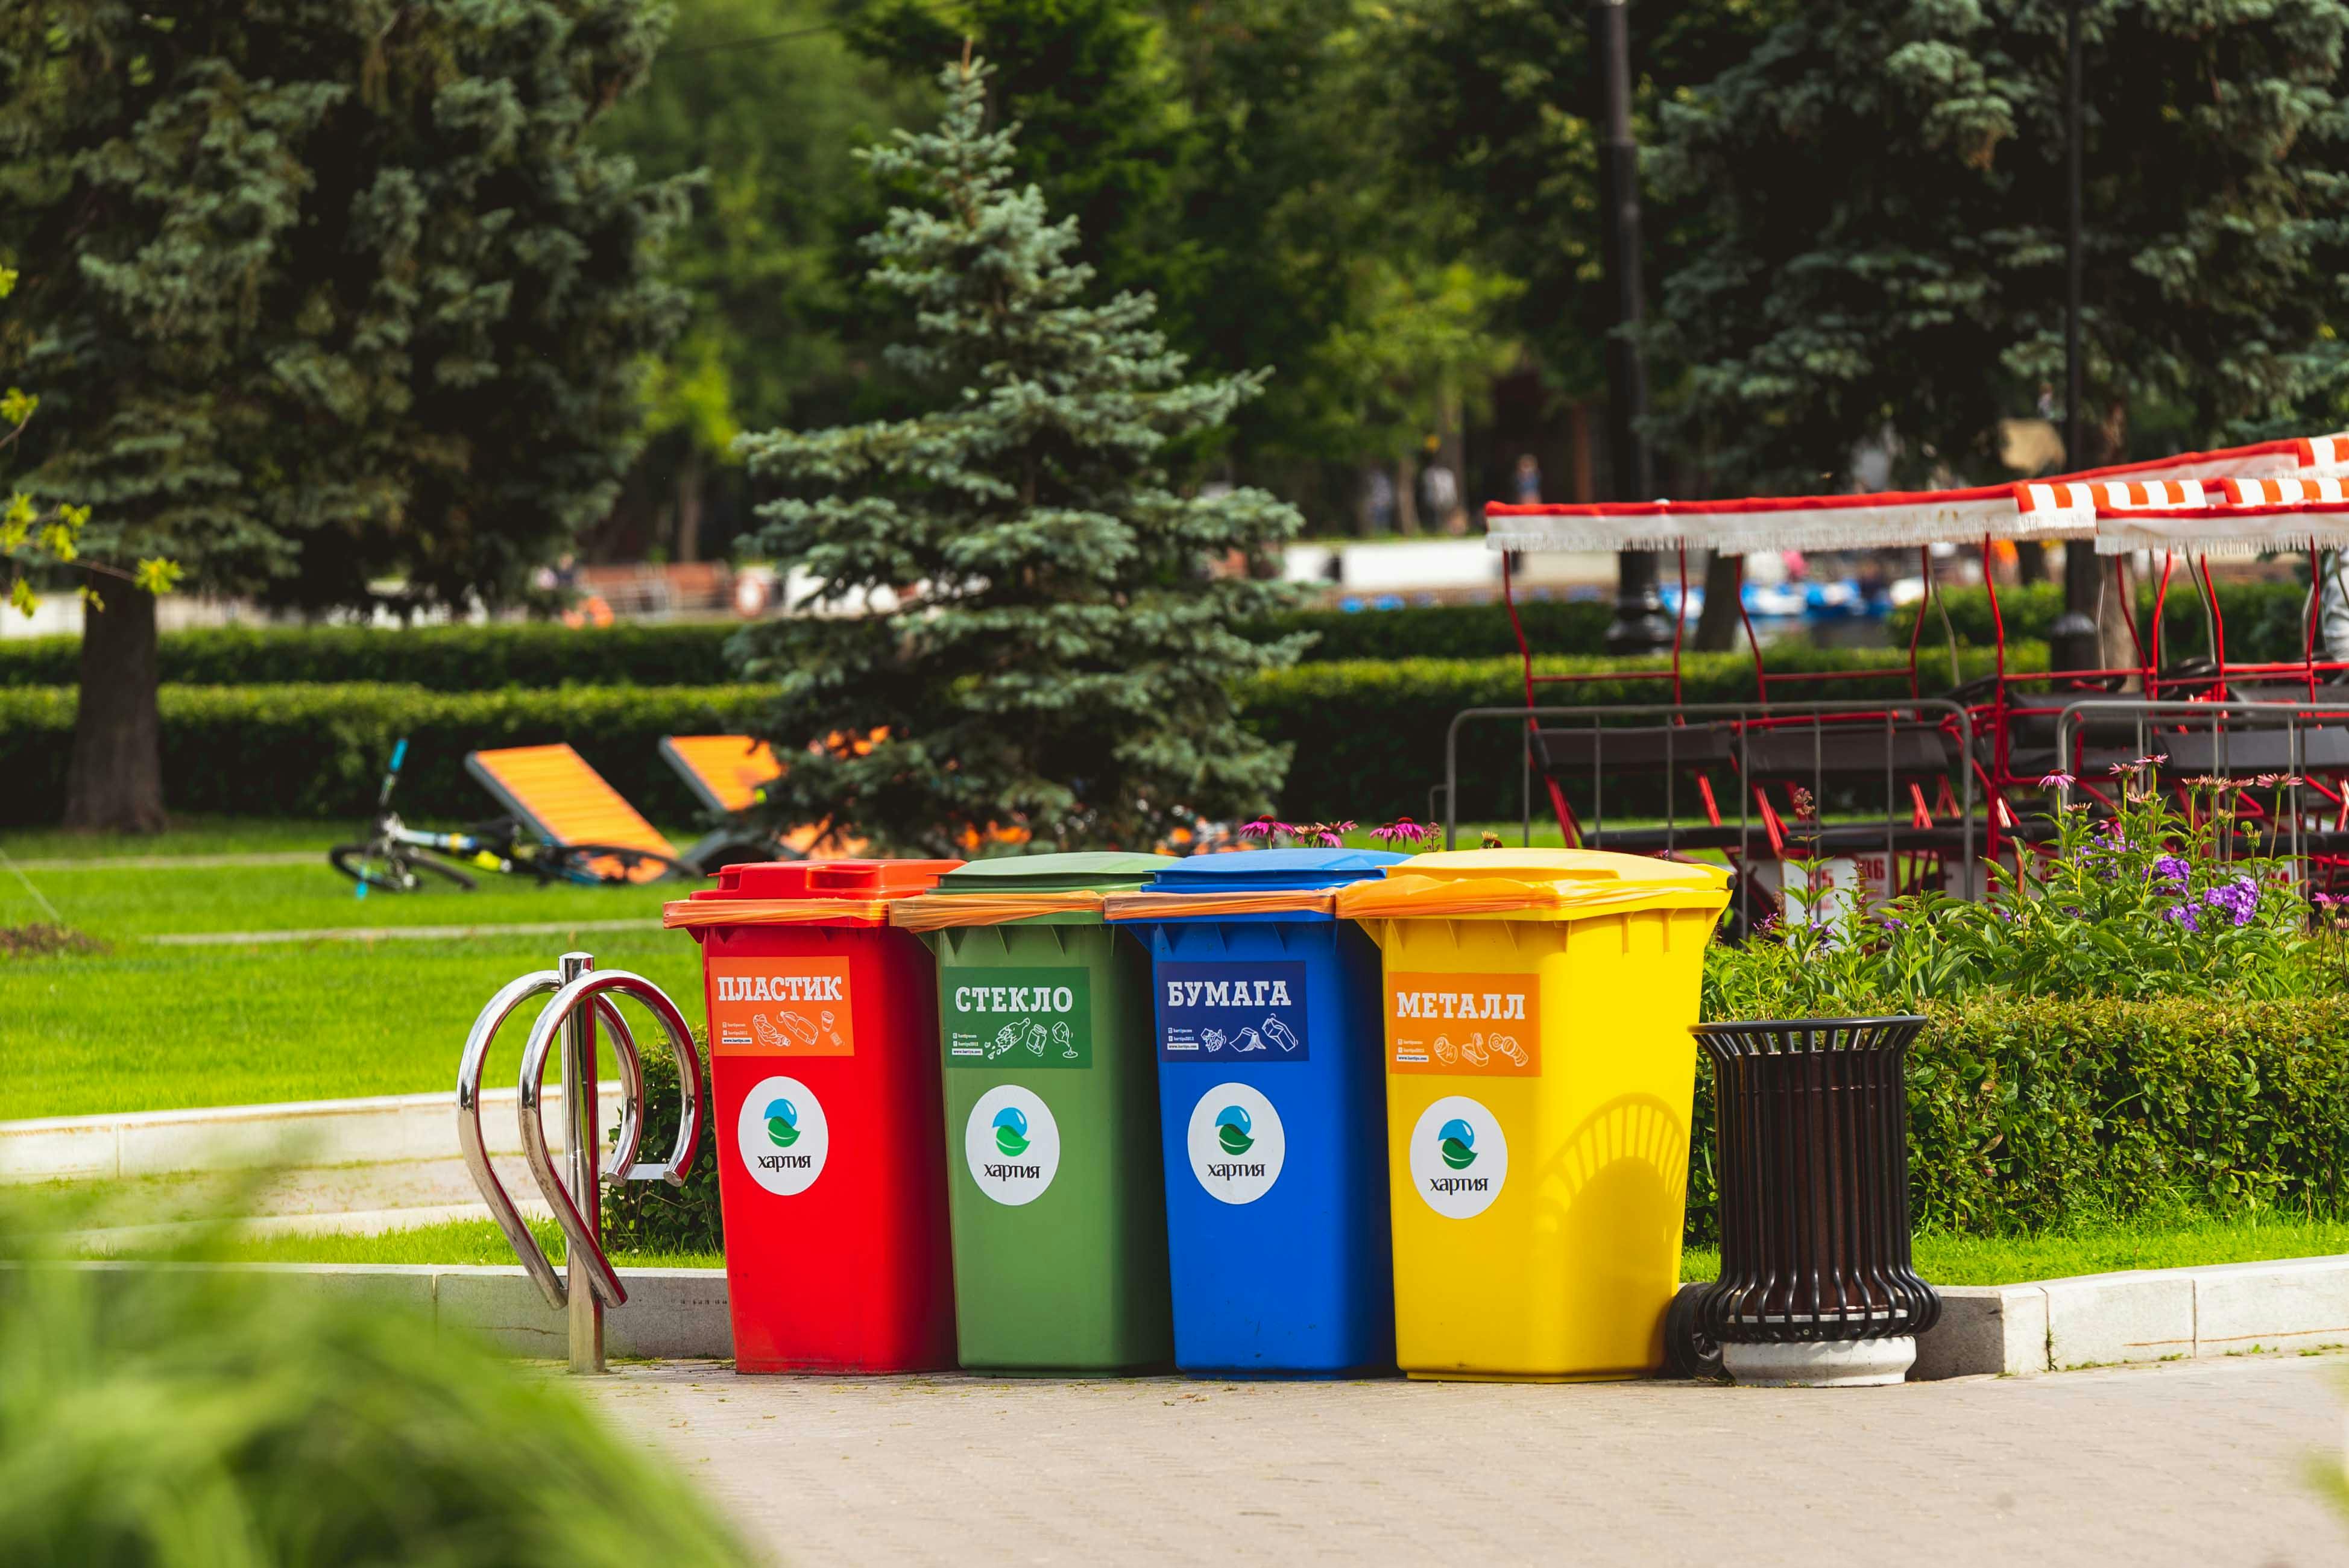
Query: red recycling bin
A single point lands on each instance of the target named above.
(824, 1065)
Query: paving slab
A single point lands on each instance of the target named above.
(2192, 1463)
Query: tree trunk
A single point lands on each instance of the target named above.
(114, 782)
(1406, 495)
(689, 507)
(1716, 628)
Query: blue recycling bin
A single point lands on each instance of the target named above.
(1272, 1112)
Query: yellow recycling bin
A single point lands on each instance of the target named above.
(1539, 1070)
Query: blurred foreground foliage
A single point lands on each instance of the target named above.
(188, 1414)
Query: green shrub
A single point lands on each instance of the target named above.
(154, 1414)
(319, 750)
(1553, 628)
(2265, 622)
(653, 1216)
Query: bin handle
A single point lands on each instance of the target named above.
(533, 1258)
(592, 987)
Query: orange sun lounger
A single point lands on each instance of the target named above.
(553, 793)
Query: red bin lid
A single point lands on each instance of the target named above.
(849, 891)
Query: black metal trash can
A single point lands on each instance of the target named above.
(1811, 1145)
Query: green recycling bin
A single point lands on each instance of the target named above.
(1057, 1196)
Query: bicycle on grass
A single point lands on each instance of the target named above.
(397, 858)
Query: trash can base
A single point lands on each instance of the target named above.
(1631, 1375)
(1822, 1364)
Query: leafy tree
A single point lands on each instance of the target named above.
(1041, 640)
(1241, 161)
(1494, 104)
(1883, 190)
(762, 101)
(323, 290)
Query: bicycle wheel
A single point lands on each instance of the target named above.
(616, 863)
(369, 865)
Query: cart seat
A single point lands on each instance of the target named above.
(2236, 752)
(1861, 750)
(1645, 748)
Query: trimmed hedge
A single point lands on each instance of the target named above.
(1369, 736)
(2023, 1116)
(2028, 1114)
(319, 750)
(442, 658)
(2266, 621)
(691, 652)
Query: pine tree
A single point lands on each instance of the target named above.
(1042, 643)
(316, 292)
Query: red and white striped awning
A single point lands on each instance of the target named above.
(2060, 509)
(2251, 530)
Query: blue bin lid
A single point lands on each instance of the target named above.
(1270, 871)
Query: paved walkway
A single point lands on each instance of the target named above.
(2190, 1463)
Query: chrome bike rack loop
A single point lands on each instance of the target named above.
(582, 997)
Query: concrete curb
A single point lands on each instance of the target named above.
(671, 1314)
(365, 1131)
(2015, 1330)
(2152, 1314)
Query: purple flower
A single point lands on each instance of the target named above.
(2057, 781)
(2239, 898)
(2170, 869)
(2183, 915)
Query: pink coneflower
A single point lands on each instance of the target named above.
(2057, 781)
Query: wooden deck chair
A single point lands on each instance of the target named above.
(554, 794)
(726, 774)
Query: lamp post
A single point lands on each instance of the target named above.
(2074, 642)
(1640, 625)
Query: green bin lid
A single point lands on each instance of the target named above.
(1100, 870)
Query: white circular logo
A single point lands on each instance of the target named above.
(1011, 1144)
(1236, 1143)
(1458, 1157)
(783, 1136)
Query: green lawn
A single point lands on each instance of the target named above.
(148, 1026)
(2105, 1249)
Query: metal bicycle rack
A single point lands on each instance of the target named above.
(589, 1285)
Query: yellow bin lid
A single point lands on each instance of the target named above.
(1532, 885)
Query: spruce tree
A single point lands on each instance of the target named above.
(1035, 636)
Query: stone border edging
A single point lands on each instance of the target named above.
(672, 1315)
(310, 1133)
(2148, 1314)
(2016, 1330)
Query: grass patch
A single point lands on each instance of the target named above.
(160, 1029)
(146, 1027)
(2180, 1242)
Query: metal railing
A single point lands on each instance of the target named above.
(582, 994)
(1818, 719)
(2234, 747)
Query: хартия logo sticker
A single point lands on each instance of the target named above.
(1011, 1144)
(1459, 1157)
(782, 1136)
(1236, 1143)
